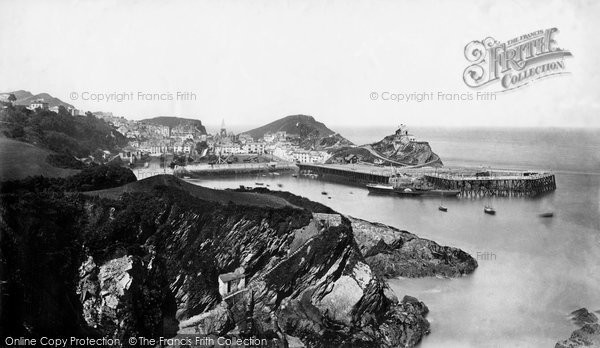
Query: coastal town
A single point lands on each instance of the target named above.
(188, 138)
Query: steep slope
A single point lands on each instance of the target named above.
(312, 133)
(171, 121)
(145, 263)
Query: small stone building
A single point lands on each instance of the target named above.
(328, 220)
(232, 282)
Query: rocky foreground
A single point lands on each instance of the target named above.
(143, 260)
(588, 334)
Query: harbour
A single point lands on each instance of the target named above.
(224, 169)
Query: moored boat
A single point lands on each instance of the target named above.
(442, 208)
(547, 214)
(489, 210)
(380, 188)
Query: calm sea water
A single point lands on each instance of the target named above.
(539, 270)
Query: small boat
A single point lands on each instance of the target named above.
(489, 210)
(259, 183)
(328, 197)
(441, 207)
(324, 193)
(547, 214)
(279, 185)
(186, 177)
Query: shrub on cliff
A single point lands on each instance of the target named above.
(100, 177)
(64, 161)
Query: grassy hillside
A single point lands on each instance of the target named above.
(19, 160)
(207, 194)
(301, 125)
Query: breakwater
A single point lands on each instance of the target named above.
(199, 170)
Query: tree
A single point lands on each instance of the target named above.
(62, 111)
(201, 146)
(12, 98)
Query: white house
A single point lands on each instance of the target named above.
(232, 282)
(255, 147)
(38, 104)
(224, 149)
(130, 154)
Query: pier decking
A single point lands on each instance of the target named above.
(471, 182)
(357, 174)
(504, 184)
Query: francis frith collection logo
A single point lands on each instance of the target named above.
(514, 63)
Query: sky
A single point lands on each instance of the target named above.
(251, 62)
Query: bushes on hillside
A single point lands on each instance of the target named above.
(89, 179)
(74, 135)
(99, 177)
(64, 161)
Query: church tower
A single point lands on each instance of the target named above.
(223, 130)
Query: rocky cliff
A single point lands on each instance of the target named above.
(144, 259)
(392, 150)
(394, 253)
(588, 334)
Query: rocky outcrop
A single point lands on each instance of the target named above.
(146, 262)
(409, 152)
(588, 335)
(122, 294)
(394, 149)
(394, 253)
